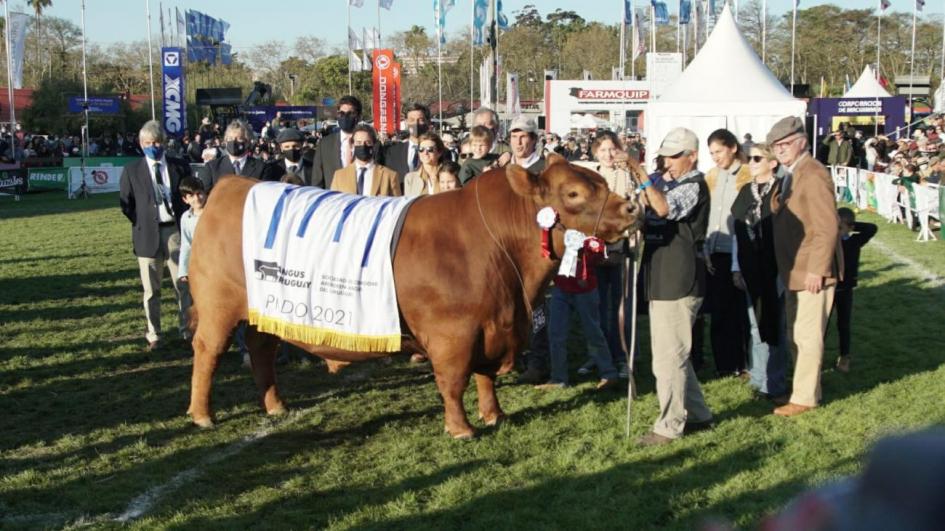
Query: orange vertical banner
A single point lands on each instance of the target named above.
(386, 78)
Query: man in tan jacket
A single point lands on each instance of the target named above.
(809, 259)
(364, 176)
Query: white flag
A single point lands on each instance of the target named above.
(354, 42)
(513, 104)
(354, 61)
(365, 57)
(485, 82)
(18, 24)
(355, 3)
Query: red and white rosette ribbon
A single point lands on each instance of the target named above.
(547, 218)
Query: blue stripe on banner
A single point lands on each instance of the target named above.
(277, 217)
(344, 217)
(370, 238)
(311, 210)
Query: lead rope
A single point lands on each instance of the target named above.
(521, 281)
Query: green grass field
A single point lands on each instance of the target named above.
(93, 431)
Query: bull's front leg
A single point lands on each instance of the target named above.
(489, 410)
(452, 377)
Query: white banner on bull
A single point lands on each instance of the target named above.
(98, 179)
(18, 24)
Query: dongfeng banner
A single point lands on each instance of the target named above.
(386, 92)
(174, 118)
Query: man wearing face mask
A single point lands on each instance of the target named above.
(290, 145)
(238, 159)
(364, 176)
(404, 157)
(150, 199)
(336, 150)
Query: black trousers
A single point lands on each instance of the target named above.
(843, 305)
(729, 326)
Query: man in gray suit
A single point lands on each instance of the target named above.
(150, 199)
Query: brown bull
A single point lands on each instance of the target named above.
(467, 269)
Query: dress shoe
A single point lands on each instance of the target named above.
(653, 439)
(843, 364)
(791, 409)
(532, 376)
(605, 384)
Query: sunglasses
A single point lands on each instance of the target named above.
(426, 150)
(756, 158)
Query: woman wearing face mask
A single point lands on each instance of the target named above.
(424, 181)
(364, 176)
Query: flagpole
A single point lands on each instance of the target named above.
(943, 54)
(348, 36)
(147, 5)
(635, 27)
(623, 39)
(879, 30)
(764, 31)
(793, 43)
(6, 14)
(85, 102)
(439, 60)
(472, 50)
(494, 75)
(678, 27)
(161, 19)
(912, 68)
(379, 43)
(695, 30)
(653, 28)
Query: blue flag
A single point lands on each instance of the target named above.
(440, 7)
(660, 12)
(503, 22)
(685, 10)
(386, 4)
(480, 14)
(627, 13)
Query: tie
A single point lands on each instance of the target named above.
(347, 159)
(292, 168)
(415, 161)
(237, 167)
(361, 172)
(158, 192)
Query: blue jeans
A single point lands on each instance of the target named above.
(610, 292)
(559, 320)
(768, 372)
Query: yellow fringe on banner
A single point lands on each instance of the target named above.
(319, 336)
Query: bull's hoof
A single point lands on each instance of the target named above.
(203, 423)
(461, 435)
(493, 420)
(277, 411)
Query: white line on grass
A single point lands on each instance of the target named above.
(145, 501)
(918, 270)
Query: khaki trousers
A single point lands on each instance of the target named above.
(807, 316)
(677, 387)
(152, 272)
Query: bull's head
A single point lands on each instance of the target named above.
(580, 196)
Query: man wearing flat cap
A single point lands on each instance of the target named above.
(677, 217)
(807, 249)
(291, 161)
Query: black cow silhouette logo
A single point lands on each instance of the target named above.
(266, 270)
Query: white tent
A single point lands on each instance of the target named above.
(867, 86)
(725, 86)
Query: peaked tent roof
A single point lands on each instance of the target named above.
(867, 86)
(726, 69)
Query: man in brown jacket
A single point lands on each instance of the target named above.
(364, 176)
(806, 242)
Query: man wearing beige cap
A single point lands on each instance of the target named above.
(808, 254)
(523, 137)
(674, 279)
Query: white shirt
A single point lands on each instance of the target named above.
(368, 188)
(345, 140)
(293, 167)
(164, 215)
(527, 163)
(241, 161)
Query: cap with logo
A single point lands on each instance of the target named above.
(678, 140)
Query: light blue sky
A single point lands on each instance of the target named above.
(255, 21)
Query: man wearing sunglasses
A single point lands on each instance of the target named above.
(336, 151)
(809, 257)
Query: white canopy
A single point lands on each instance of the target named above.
(725, 86)
(867, 86)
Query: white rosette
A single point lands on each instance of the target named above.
(573, 242)
(547, 218)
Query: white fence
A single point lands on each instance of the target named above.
(877, 191)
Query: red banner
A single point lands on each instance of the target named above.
(386, 91)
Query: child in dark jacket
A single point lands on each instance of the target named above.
(853, 236)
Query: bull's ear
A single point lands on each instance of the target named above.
(522, 182)
(553, 158)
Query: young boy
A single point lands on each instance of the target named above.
(853, 236)
(193, 193)
(480, 141)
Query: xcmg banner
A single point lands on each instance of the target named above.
(174, 118)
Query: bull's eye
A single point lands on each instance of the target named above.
(573, 194)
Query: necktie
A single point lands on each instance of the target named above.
(415, 161)
(237, 167)
(361, 172)
(347, 159)
(159, 197)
